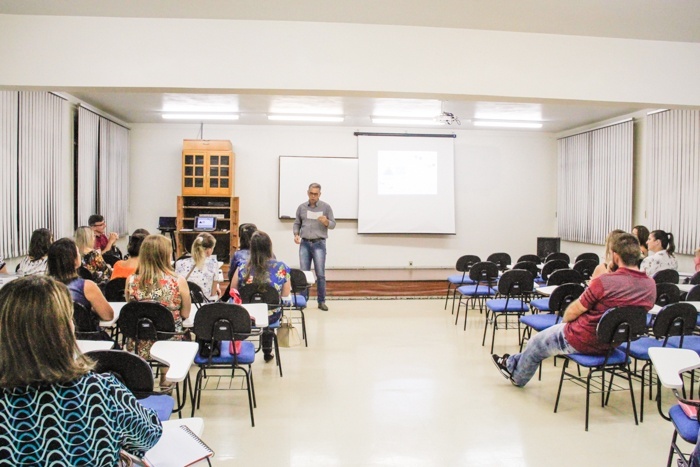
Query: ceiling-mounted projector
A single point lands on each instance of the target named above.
(448, 118)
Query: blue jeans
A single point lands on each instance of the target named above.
(315, 251)
(545, 344)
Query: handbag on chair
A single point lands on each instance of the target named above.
(287, 334)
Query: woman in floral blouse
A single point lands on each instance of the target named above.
(92, 259)
(263, 268)
(156, 281)
(661, 247)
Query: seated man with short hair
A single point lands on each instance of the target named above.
(103, 241)
(624, 285)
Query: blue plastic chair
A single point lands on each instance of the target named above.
(464, 264)
(515, 285)
(484, 276)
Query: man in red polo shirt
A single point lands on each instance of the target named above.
(624, 285)
(103, 242)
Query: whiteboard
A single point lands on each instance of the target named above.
(338, 177)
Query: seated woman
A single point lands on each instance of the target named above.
(3, 266)
(661, 247)
(63, 261)
(642, 234)
(263, 268)
(202, 268)
(239, 258)
(697, 260)
(156, 280)
(91, 258)
(35, 261)
(605, 266)
(126, 267)
(55, 411)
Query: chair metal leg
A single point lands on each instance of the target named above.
(459, 305)
(447, 295)
(588, 394)
(561, 381)
(493, 333)
(303, 328)
(277, 352)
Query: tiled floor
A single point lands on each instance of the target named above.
(396, 383)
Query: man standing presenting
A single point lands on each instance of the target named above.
(103, 242)
(624, 285)
(311, 226)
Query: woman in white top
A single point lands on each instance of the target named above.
(661, 247)
(35, 261)
(201, 268)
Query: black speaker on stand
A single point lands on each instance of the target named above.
(547, 246)
(168, 225)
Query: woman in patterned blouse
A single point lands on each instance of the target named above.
(35, 261)
(92, 259)
(263, 268)
(53, 409)
(202, 268)
(155, 280)
(661, 247)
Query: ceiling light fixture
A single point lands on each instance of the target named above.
(505, 124)
(200, 116)
(306, 118)
(404, 121)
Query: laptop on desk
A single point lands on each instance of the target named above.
(204, 224)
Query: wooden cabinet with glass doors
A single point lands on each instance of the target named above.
(207, 168)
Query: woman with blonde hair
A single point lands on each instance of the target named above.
(156, 281)
(91, 258)
(53, 408)
(202, 268)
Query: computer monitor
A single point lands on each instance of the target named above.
(167, 224)
(204, 224)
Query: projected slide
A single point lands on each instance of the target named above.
(406, 184)
(407, 173)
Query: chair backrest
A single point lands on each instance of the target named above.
(86, 322)
(667, 275)
(528, 266)
(298, 281)
(622, 324)
(254, 293)
(563, 296)
(502, 260)
(112, 256)
(484, 272)
(565, 276)
(676, 319)
(585, 267)
(591, 256)
(146, 320)
(695, 280)
(553, 265)
(133, 371)
(197, 294)
(465, 263)
(558, 255)
(667, 293)
(534, 258)
(516, 282)
(114, 290)
(693, 295)
(221, 322)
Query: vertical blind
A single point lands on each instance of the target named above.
(88, 151)
(103, 170)
(594, 194)
(114, 174)
(9, 105)
(673, 168)
(35, 158)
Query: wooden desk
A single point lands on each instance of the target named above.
(89, 346)
(670, 362)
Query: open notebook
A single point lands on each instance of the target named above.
(178, 447)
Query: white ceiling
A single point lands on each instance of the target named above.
(634, 19)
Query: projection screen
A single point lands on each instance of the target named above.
(406, 184)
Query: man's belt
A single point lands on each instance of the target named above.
(313, 240)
